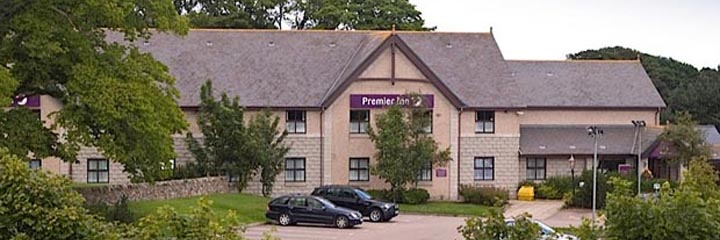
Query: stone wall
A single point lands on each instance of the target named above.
(111, 194)
(505, 151)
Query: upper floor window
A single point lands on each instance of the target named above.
(98, 171)
(35, 164)
(295, 121)
(429, 127)
(484, 122)
(359, 121)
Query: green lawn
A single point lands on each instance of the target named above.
(446, 208)
(249, 208)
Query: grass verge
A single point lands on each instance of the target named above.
(249, 208)
(446, 208)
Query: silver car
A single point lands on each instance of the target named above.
(546, 231)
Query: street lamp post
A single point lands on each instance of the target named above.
(595, 133)
(639, 124)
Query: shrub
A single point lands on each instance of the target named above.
(118, 212)
(489, 196)
(494, 227)
(416, 196)
(583, 195)
(379, 194)
(554, 187)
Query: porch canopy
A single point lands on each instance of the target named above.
(543, 140)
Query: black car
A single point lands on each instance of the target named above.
(357, 199)
(292, 209)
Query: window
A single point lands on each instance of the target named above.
(170, 164)
(535, 168)
(35, 164)
(359, 169)
(484, 122)
(425, 173)
(312, 203)
(429, 127)
(295, 121)
(484, 168)
(359, 121)
(98, 171)
(347, 193)
(295, 169)
(297, 202)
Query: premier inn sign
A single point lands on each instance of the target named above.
(386, 100)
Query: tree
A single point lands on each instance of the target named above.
(494, 227)
(403, 146)
(23, 132)
(224, 148)
(684, 140)
(683, 87)
(115, 98)
(303, 14)
(266, 145)
(38, 205)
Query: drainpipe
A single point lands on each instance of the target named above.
(322, 144)
(459, 122)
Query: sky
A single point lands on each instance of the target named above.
(688, 31)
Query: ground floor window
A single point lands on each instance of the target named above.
(484, 168)
(35, 164)
(536, 168)
(295, 169)
(359, 169)
(426, 172)
(98, 171)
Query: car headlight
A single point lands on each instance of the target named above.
(356, 215)
(387, 206)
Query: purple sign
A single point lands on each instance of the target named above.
(386, 100)
(441, 172)
(27, 101)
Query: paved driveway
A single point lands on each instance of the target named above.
(405, 226)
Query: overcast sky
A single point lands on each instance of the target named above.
(688, 30)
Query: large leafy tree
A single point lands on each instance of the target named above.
(115, 98)
(684, 87)
(303, 14)
(403, 146)
(684, 141)
(267, 147)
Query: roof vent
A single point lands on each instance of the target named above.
(512, 74)
(572, 147)
(208, 43)
(271, 44)
(603, 147)
(332, 44)
(542, 147)
(449, 45)
(146, 42)
(549, 74)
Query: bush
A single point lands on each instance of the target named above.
(416, 196)
(489, 196)
(380, 194)
(583, 195)
(494, 227)
(119, 212)
(554, 187)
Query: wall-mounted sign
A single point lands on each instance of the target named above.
(386, 100)
(624, 169)
(26, 101)
(441, 172)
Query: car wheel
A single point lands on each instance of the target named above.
(342, 222)
(284, 219)
(376, 215)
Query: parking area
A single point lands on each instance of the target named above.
(405, 226)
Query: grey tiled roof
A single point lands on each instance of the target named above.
(268, 68)
(585, 84)
(574, 139)
(470, 64)
(712, 136)
(262, 68)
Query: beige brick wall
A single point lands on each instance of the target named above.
(302, 147)
(79, 169)
(505, 151)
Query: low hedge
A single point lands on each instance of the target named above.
(489, 196)
(411, 196)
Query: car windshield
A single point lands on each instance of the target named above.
(326, 202)
(362, 194)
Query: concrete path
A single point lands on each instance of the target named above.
(405, 226)
(549, 212)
